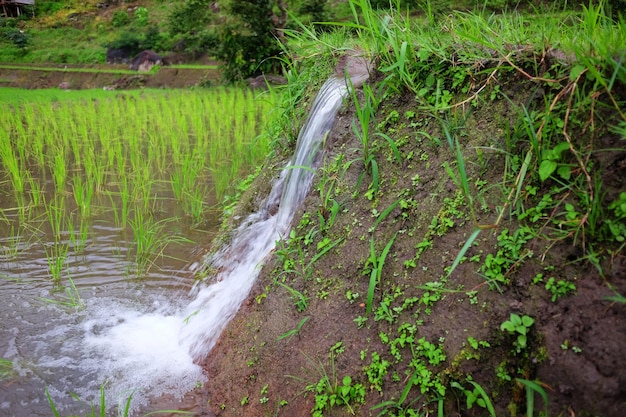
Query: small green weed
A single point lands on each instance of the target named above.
(329, 392)
(559, 288)
(511, 253)
(518, 326)
(293, 332)
(376, 371)
(477, 396)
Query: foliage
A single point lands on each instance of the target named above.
(120, 18)
(15, 35)
(191, 22)
(519, 327)
(477, 396)
(329, 392)
(248, 45)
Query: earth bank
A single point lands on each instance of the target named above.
(436, 330)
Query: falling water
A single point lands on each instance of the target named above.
(148, 346)
(239, 263)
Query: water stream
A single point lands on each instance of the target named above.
(141, 339)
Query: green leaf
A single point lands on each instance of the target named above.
(508, 326)
(576, 71)
(546, 169)
(430, 80)
(528, 321)
(565, 172)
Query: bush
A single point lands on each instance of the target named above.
(19, 38)
(129, 41)
(120, 18)
(43, 7)
(141, 15)
(249, 44)
(316, 10)
(190, 17)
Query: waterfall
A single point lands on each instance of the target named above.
(239, 263)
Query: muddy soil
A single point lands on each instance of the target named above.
(575, 348)
(165, 77)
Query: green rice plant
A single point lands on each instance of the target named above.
(83, 192)
(100, 409)
(6, 369)
(11, 164)
(194, 205)
(56, 255)
(71, 297)
(56, 215)
(150, 239)
(78, 238)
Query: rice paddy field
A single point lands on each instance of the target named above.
(108, 195)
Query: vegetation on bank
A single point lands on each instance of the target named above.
(480, 179)
(247, 37)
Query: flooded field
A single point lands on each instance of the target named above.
(106, 201)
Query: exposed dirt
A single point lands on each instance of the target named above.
(575, 347)
(165, 77)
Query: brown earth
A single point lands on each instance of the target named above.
(575, 348)
(165, 77)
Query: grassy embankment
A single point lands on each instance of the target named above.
(475, 208)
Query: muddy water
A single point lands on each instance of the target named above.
(123, 336)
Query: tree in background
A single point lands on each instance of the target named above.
(191, 26)
(249, 41)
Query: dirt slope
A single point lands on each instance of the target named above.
(424, 321)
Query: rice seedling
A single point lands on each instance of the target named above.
(118, 156)
(6, 369)
(100, 409)
(11, 164)
(56, 215)
(150, 239)
(56, 255)
(83, 194)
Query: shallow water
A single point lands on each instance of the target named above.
(123, 336)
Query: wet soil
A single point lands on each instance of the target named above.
(58, 77)
(575, 348)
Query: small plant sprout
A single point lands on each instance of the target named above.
(475, 396)
(519, 326)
